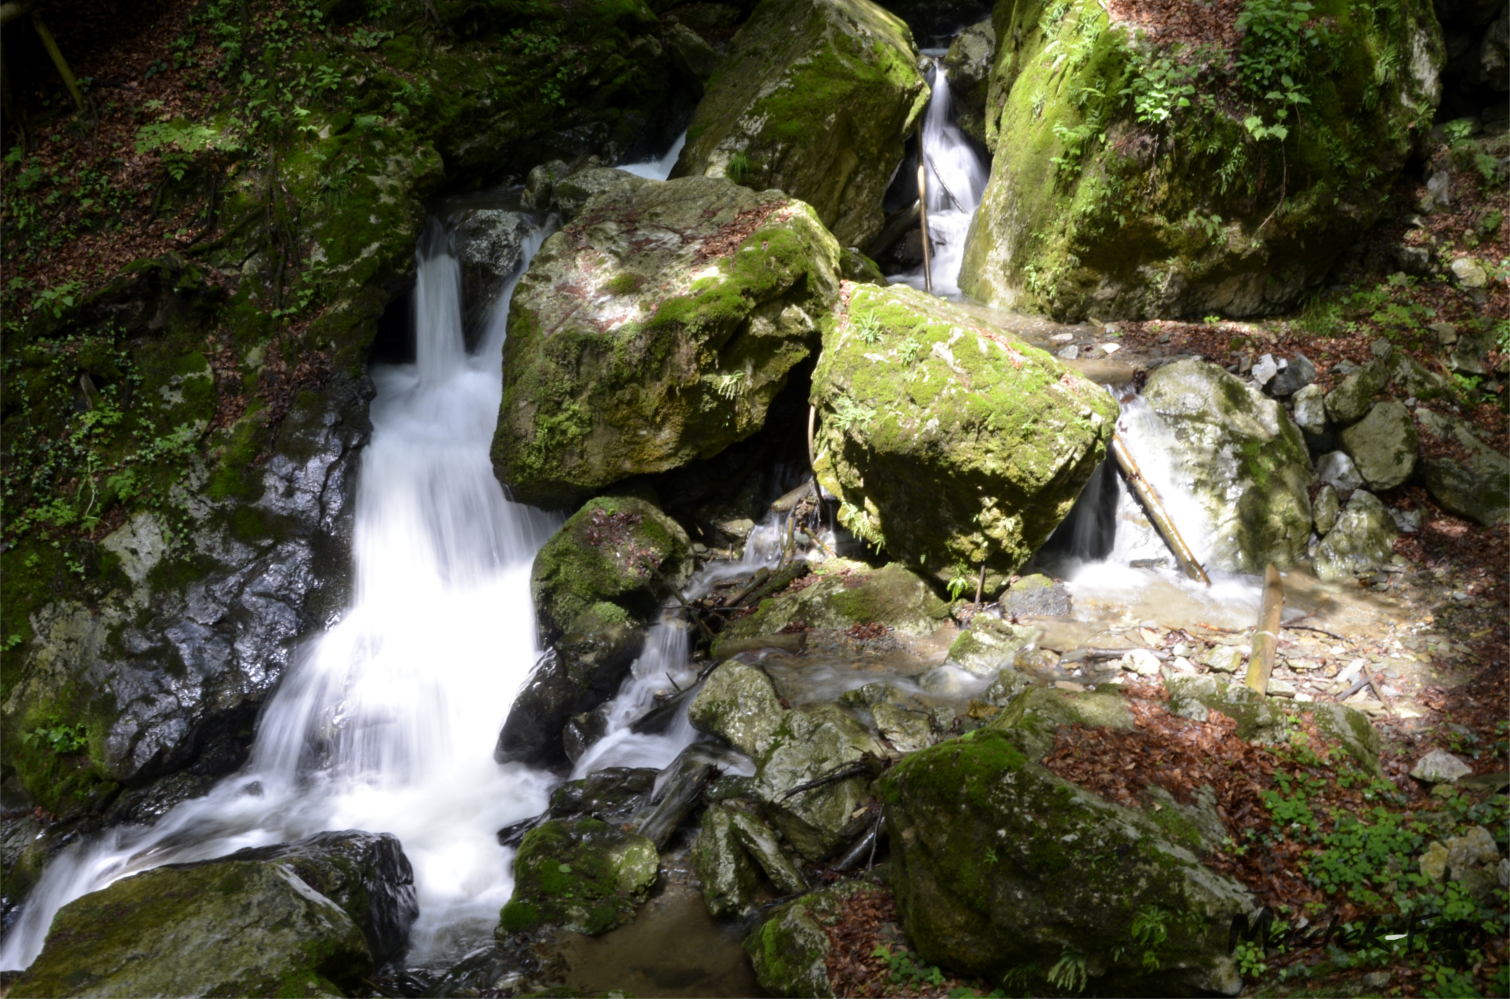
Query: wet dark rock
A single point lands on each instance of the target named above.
(582, 731)
(490, 250)
(614, 795)
(581, 671)
(365, 874)
(583, 874)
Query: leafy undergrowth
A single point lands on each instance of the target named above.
(1333, 853)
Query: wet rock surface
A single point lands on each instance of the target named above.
(581, 873)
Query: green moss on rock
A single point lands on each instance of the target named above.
(731, 287)
(951, 443)
(581, 873)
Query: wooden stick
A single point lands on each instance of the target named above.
(1373, 682)
(1156, 513)
(812, 417)
(1266, 639)
(57, 60)
(980, 585)
(923, 211)
(1313, 628)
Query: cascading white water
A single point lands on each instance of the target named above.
(666, 664)
(956, 179)
(660, 168)
(387, 721)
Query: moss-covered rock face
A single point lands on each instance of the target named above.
(1476, 485)
(1002, 866)
(816, 98)
(1244, 460)
(738, 704)
(813, 743)
(893, 596)
(581, 873)
(614, 562)
(969, 61)
(1033, 715)
(789, 950)
(950, 443)
(1109, 197)
(656, 329)
(1362, 540)
(225, 928)
(725, 869)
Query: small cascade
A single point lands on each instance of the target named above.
(956, 179)
(658, 169)
(1107, 548)
(387, 721)
(665, 667)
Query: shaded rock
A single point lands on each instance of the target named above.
(581, 873)
(724, 868)
(1418, 381)
(582, 669)
(694, 57)
(1476, 485)
(1439, 766)
(989, 851)
(221, 928)
(1473, 848)
(893, 595)
(816, 99)
(1362, 540)
(989, 644)
(813, 743)
(950, 444)
(759, 840)
(614, 795)
(789, 950)
(1244, 460)
(1036, 595)
(738, 704)
(1324, 509)
(1293, 377)
(656, 329)
(581, 732)
(1353, 396)
(1310, 409)
(490, 251)
(1336, 469)
(571, 193)
(366, 874)
(968, 63)
(1064, 142)
(1383, 445)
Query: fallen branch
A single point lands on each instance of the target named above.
(1266, 637)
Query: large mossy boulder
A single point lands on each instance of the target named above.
(816, 98)
(789, 949)
(656, 329)
(1001, 865)
(580, 873)
(1135, 177)
(1244, 461)
(951, 444)
(219, 929)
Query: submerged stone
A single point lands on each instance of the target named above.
(221, 928)
(581, 873)
(989, 644)
(655, 329)
(1244, 461)
(816, 98)
(950, 443)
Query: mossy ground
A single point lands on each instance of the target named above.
(582, 873)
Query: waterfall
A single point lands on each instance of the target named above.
(387, 721)
(956, 180)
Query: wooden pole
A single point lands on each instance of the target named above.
(923, 212)
(1266, 639)
(980, 585)
(1156, 513)
(57, 60)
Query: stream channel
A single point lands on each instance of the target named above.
(387, 721)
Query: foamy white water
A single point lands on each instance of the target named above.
(387, 722)
(956, 180)
(658, 169)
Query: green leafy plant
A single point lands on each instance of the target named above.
(1069, 973)
(56, 736)
(868, 328)
(739, 167)
(849, 414)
